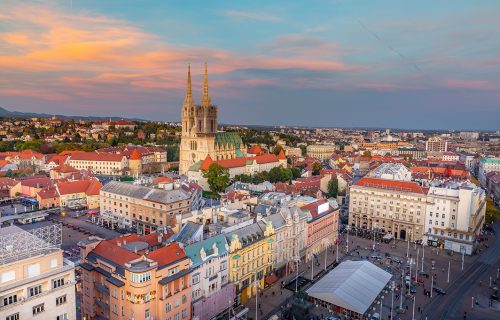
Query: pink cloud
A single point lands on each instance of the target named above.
(471, 84)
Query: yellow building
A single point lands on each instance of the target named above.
(199, 136)
(251, 255)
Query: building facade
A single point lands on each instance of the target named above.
(128, 205)
(212, 293)
(388, 206)
(289, 225)
(251, 254)
(322, 227)
(320, 151)
(436, 144)
(487, 165)
(455, 215)
(138, 278)
(36, 282)
(99, 163)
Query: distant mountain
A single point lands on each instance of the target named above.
(16, 114)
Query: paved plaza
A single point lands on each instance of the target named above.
(418, 305)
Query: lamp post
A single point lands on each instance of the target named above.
(373, 228)
(449, 265)
(432, 284)
(463, 258)
(416, 267)
(423, 254)
(392, 299)
(401, 293)
(347, 244)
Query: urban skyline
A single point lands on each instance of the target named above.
(318, 66)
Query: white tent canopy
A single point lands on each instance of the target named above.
(352, 285)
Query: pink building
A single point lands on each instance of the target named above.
(322, 227)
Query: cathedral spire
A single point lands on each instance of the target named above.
(189, 94)
(205, 98)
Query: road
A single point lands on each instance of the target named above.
(458, 293)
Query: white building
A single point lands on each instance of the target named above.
(321, 151)
(450, 156)
(487, 165)
(290, 235)
(468, 160)
(436, 144)
(391, 171)
(210, 287)
(454, 216)
(36, 282)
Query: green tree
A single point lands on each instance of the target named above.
(217, 177)
(333, 187)
(316, 168)
(295, 173)
(277, 149)
(9, 173)
(367, 153)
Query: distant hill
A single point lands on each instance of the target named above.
(16, 114)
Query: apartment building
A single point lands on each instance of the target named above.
(133, 277)
(455, 215)
(289, 225)
(436, 144)
(388, 206)
(251, 253)
(212, 293)
(36, 282)
(99, 163)
(322, 228)
(487, 165)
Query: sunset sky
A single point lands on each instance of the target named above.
(398, 64)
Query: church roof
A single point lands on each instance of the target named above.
(228, 139)
(239, 154)
(281, 156)
(135, 155)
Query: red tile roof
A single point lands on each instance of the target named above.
(167, 254)
(135, 155)
(89, 187)
(255, 149)
(93, 156)
(282, 156)
(206, 163)
(48, 193)
(403, 186)
(64, 168)
(114, 253)
(313, 207)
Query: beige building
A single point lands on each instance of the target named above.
(436, 144)
(99, 163)
(199, 136)
(388, 206)
(125, 205)
(321, 151)
(35, 281)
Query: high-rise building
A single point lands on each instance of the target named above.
(436, 144)
(199, 136)
(36, 282)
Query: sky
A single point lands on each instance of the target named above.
(395, 64)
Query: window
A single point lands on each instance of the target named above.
(62, 317)
(9, 300)
(184, 313)
(146, 313)
(14, 316)
(57, 283)
(53, 263)
(168, 307)
(60, 300)
(8, 276)
(34, 291)
(38, 309)
(33, 270)
(196, 279)
(184, 298)
(141, 277)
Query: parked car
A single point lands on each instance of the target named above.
(424, 274)
(419, 279)
(439, 290)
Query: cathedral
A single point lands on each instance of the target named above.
(200, 137)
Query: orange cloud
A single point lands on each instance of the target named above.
(471, 84)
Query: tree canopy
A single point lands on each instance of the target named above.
(217, 177)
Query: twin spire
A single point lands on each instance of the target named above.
(205, 97)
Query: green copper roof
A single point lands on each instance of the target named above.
(490, 160)
(239, 154)
(196, 166)
(228, 139)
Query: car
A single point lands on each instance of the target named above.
(424, 274)
(397, 260)
(375, 257)
(419, 279)
(439, 290)
(387, 254)
(407, 280)
(413, 288)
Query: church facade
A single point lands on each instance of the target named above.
(200, 137)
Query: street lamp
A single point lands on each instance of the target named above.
(373, 228)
